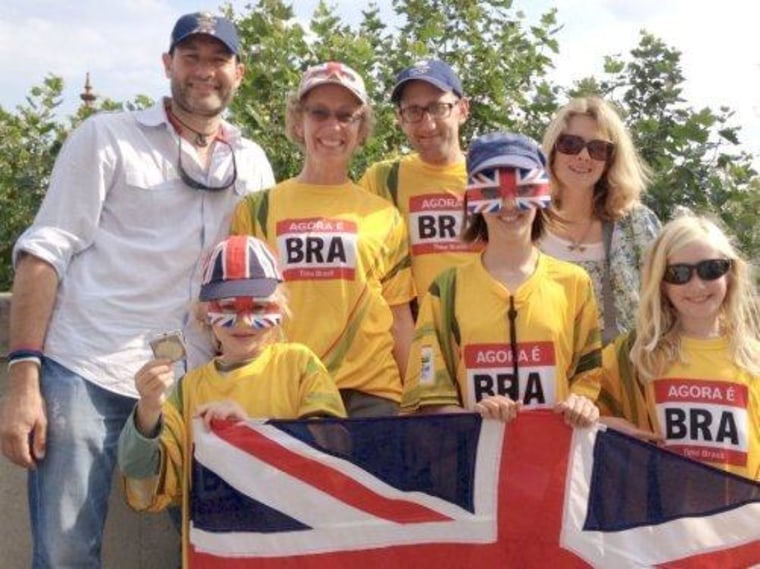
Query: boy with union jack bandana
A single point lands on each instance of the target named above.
(256, 375)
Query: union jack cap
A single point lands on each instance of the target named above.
(240, 266)
(504, 150)
(336, 73)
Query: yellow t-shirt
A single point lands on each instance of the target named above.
(430, 198)
(706, 408)
(286, 381)
(345, 257)
(462, 349)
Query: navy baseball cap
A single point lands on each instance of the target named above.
(505, 150)
(208, 24)
(433, 71)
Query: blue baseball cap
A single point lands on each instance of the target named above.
(208, 24)
(505, 150)
(433, 71)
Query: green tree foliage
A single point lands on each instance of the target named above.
(503, 62)
(692, 152)
(29, 140)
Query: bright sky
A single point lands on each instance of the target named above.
(120, 43)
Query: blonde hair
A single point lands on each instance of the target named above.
(294, 117)
(625, 177)
(657, 341)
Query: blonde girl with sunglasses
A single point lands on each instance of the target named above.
(689, 376)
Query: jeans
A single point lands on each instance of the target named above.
(69, 489)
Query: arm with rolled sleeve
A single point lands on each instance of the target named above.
(70, 213)
(63, 227)
(23, 410)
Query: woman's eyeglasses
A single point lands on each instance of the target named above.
(573, 144)
(195, 184)
(709, 270)
(323, 114)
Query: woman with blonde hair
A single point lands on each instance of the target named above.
(597, 180)
(690, 374)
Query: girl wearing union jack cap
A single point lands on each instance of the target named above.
(514, 329)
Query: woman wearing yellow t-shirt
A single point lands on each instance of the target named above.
(343, 251)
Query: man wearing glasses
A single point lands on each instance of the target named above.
(427, 186)
(112, 260)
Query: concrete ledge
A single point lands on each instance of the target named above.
(131, 540)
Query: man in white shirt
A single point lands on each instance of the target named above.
(111, 260)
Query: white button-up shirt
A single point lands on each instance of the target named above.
(126, 237)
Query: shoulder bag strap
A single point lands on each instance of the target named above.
(392, 181)
(610, 317)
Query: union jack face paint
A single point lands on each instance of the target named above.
(487, 189)
(254, 313)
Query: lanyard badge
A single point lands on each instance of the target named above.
(488, 189)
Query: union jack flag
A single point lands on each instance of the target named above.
(456, 491)
(488, 188)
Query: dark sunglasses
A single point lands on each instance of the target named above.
(709, 270)
(573, 144)
(195, 184)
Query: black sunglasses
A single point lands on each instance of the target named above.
(573, 144)
(195, 184)
(709, 270)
